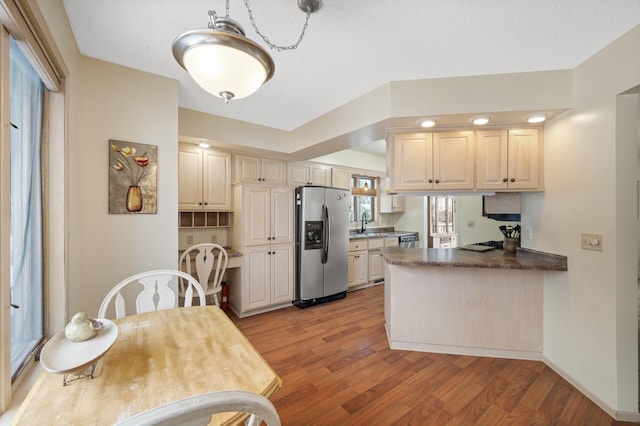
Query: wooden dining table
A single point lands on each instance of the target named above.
(158, 357)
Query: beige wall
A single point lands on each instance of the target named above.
(123, 104)
(590, 329)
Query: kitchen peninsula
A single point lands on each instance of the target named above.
(464, 302)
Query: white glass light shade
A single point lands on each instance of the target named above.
(222, 62)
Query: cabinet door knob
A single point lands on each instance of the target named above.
(200, 203)
(437, 180)
(505, 179)
(513, 179)
(430, 180)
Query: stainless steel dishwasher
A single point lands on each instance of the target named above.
(408, 240)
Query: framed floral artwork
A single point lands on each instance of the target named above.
(132, 177)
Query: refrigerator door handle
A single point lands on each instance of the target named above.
(328, 235)
(325, 228)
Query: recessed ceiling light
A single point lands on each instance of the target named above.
(427, 122)
(203, 145)
(536, 118)
(480, 120)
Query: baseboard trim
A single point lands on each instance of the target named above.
(464, 350)
(622, 416)
(241, 314)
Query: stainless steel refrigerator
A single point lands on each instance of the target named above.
(322, 244)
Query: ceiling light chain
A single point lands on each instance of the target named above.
(309, 10)
(223, 61)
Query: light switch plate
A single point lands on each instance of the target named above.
(592, 242)
(189, 239)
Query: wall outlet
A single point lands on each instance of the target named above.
(214, 238)
(189, 239)
(592, 242)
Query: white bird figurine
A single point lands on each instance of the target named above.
(80, 328)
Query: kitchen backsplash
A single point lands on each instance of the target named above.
(209, 235)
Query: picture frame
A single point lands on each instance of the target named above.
(132, 178)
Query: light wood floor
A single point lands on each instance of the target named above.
(337, 369)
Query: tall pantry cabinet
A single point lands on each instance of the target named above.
(263, 231)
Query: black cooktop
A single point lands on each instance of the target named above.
(495, 244)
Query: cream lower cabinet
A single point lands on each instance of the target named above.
(357, 263)
(358, 268)
(375, 265)
(391, 242)
(267, 276)
(365, 262)
(376, 270)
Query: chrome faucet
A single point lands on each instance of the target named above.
(363, 226)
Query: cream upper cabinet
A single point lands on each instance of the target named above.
(412, 161)
(433, 161)
(267, 215)
(301, 173)
(259, 170)
(453, 160)
(392, 203)
(509, 160)
(341, 177)
(204, 179)
(524, 159)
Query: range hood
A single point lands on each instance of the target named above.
(504, 207)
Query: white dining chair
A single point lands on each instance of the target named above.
(155, 294)
(208, 259)
(197, 410)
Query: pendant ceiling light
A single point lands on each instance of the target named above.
(223, 61)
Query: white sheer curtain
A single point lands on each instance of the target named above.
(27, 96)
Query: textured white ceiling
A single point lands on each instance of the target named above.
(352, 47)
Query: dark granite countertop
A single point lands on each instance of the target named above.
(459, 258)
(378, 233)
